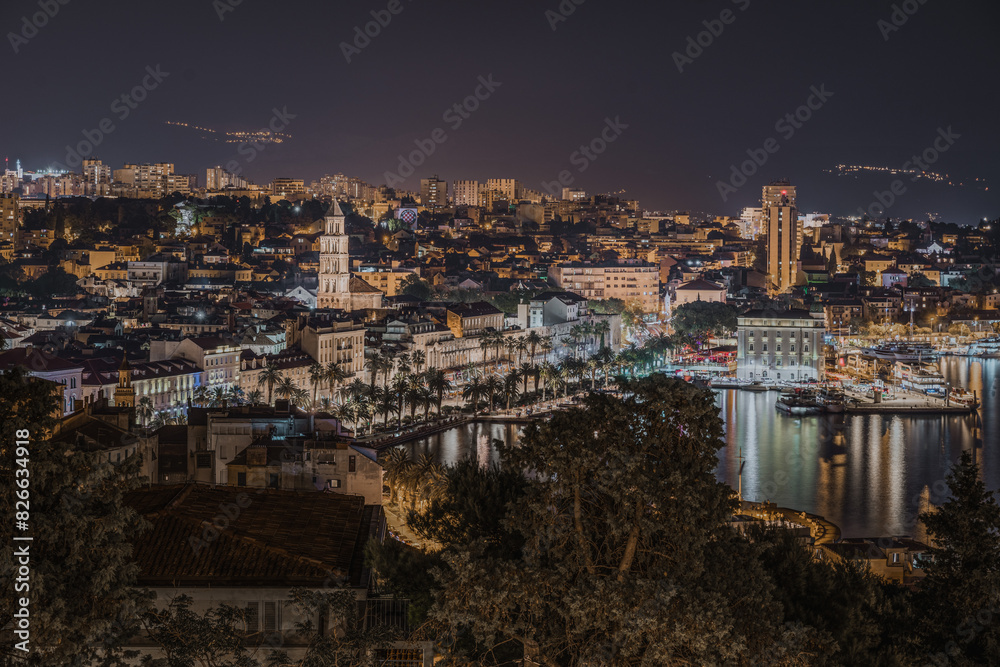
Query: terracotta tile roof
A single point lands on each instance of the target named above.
(281, 538)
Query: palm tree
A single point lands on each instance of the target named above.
(300, 398)
(602, 329)
(533, 340)
(425, 396)
(373, 365)
(201, 395)
(413, 397)
(575, 369)
(418, 359)
(334, 373)
(404, 364)
(526, 370)
(593, 364)
(473, 393)
(549, 374)
(399, 386)
(485, 343)
(510, 345)
(286, 388)
(237, 396)
(607, 359)
(270, 376)
(356, 389)
(386, 365)
(418, 477)
(510, 390)
(437, 381)
(361, 410)
(255, 397)
(546, 346)
(493, 386)
(317, 374)
(522, 348)
(576, 335)
(384, 403)
(144, 410)
(397, 468)
(217, 397)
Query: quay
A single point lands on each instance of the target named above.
(820, 530)
(904, 403)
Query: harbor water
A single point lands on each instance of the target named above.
(869, 474)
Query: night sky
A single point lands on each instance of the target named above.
(557, 87)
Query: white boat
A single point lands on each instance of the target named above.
(988, 348)
(921, 378)
(963, 398)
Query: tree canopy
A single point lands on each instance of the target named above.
(699, 318)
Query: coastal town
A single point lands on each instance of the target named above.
(560, 334)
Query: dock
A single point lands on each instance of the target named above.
(904, 403)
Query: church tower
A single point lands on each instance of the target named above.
(124, 393)
(334, 262)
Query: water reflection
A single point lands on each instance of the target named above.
(869, 474)
(890, 467)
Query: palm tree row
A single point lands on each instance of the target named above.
(413, 482)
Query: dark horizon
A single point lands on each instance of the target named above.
(228, 67)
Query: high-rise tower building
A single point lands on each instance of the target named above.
(466, 193)
(433, 192)
(780, 219)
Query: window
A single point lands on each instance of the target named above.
(751, 347)
(333, 483)
(251, 617)
(270, 617)
(765, 347)
(352, 464)
(793, 348)
(778, 347)
(272, 480)
(203, 460)
(241, 479)
(895, 558)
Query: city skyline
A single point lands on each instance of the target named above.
(688, 113)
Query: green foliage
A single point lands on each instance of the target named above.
(81, 556)
(857, 609)
(54, 282)
(508, 301)
(699, 318)
(958, 604)
(473, 508)
(215, 637)
(627, 558)
(610, 306)
(414, 285)
(405, 572)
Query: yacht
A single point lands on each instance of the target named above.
(921, 378)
